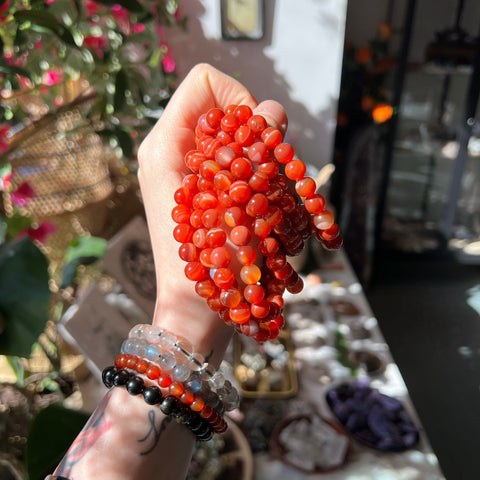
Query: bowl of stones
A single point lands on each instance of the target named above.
(310, 443)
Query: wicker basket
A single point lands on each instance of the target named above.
(63, 160)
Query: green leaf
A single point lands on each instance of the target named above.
(16, 224)
(24, 296)
(52, 432)
(70, 271)
(130, 5)
(86, 247)
(17, 367)
(44, 21)
(120, 86)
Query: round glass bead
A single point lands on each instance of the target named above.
(167, 340)
(153, 333)
(217, 380)
(181, 372)
(138, 331)
(183, 347)
(167, 361)
(135, 346)
(194, 382)
(196, 361)
(153, 352)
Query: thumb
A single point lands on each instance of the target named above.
(273, 113)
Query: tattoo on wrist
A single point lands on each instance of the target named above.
(153, 433)
(95, 427)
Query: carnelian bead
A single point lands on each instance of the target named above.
(183, 233)
(183, 197)
(241, 168)
(204, 200)
(271, 137)
(195, 271)
(234, 216)
(214, 303)
(205, 257)
(284, 272)
(243, 113)
(257, 205)
(315, 203)
(213, 117)
(250, 274)
(204, 126)
(260, 309)
(284, 227)
(224, 156)
(237, 149)
(270, 168)
(220, 257)
(240, 191)
(244, 136)
(297, 287)
(176, 389)
(198, 404)
(240, 313)
(153, 372)
(257, 123)
(277, 299)
(196, 219)
(164, 380)
(259, 182)
(240, 235)
(262, 335)
(294, 170)
(206, 412)
(229, 109)
(257, 152)
(286, 203)
(189, 183)
(205, 288)
(292, 279)
(195, 160)
(205, 185)
(273, 216)
(254, 293)
(121, 361)
(216, 237)
(224, 199)
(229, 123)
(246, 255)
(323, 220)
(209, 168)
(268, 246)
(276, 261)
(181, 214)
(230, 298)
(188, 252)
(305, 187)
(334, 243)
(224, 138)
(199, 238)
(210, 146)
(283, 152)
(142, 366)
(187, 397)
(212, 218)
(330, 233)
(261, 228)
(224, 278)
(223, 179)
(279, 321)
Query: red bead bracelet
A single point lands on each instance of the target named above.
(236, 206)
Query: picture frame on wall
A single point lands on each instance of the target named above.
(242, 19)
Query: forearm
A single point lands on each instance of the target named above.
(127, 439)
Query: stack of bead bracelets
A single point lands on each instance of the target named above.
(167, 361)
(237, 204)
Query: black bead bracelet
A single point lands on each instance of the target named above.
(152, 395)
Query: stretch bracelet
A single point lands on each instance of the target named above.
(169, 405)
(176, 389)
(168, 351)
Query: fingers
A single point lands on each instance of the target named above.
(274, 114)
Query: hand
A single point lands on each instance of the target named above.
(161, 170)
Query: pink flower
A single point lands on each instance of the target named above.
(139, 27)
(3, 9)
(52, 77)
(168, 64)
(6, 181)
(38, 45)
(4, 130)
(91, 8)
(43, 230)
(96, 44)
(22, 194)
